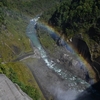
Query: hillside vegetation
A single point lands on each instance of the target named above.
(79, 16)
(68, 17)
(14, 18)
(20, 74)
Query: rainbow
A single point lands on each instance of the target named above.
(49, 28)
(88, 67)
(52, 30)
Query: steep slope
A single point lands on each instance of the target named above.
(14, 17)
(13, 20)
(79, 17)
(18, 73)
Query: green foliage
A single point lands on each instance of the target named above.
(13, 41)
(14, 17)
(32, 92)
(31, 7)
(13, 76)
(79, 16)
(2, 15)
(44, 37)
(75, 15)
(2, 70)
(4, 2)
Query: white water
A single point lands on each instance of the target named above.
(31, 33)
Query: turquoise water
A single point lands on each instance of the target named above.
(31, 33)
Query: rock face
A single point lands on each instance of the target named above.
(11, 91)
(81, 47)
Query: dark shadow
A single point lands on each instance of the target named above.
(91, 93)
(81, 47)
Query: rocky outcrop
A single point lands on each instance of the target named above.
(11, 91)
(81, 47)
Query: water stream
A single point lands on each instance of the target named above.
(32, 34)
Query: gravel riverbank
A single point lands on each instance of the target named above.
(51, 84)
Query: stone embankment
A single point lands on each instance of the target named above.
(11, 91)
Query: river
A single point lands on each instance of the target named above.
(73, 82)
